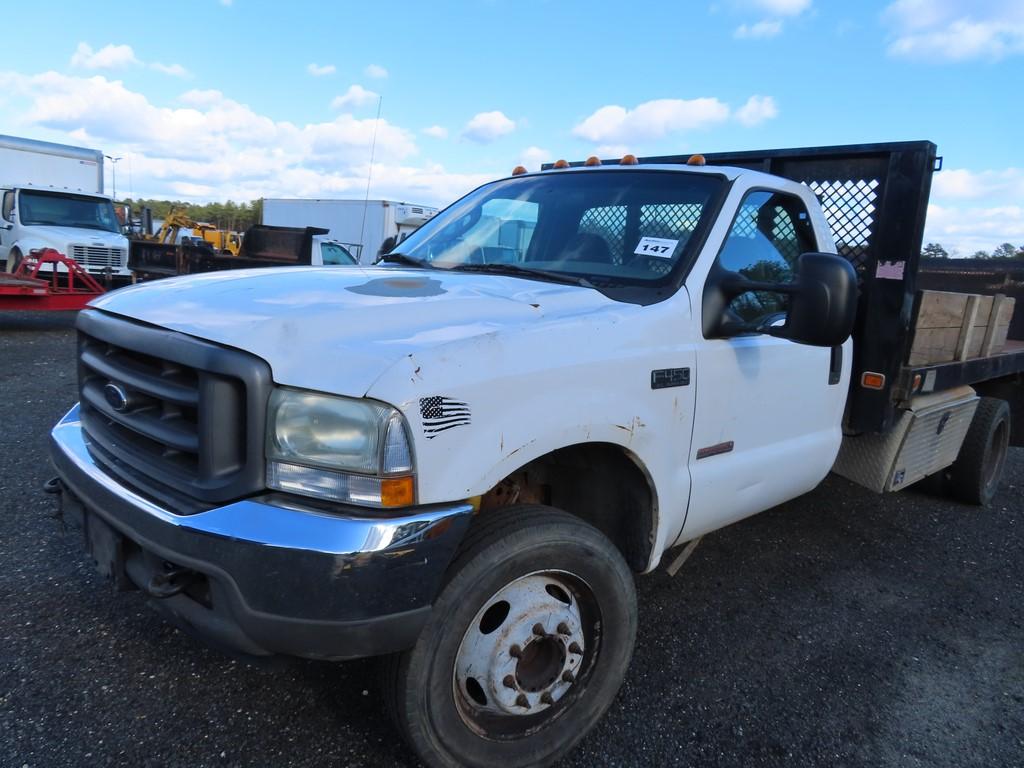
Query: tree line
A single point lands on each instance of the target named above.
(1004, 251)
(229, 215)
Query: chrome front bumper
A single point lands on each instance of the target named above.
(279, 576)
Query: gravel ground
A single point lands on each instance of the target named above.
(842, 628)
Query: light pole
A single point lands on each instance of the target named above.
(113, 162)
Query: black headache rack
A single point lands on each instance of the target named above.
(875, 199)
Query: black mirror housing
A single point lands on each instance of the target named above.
(822, 307)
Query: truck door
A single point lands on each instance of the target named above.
(767, 423)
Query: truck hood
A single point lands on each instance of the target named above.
(60, 236)
(337, 329)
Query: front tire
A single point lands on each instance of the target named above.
(526, 647)
(13, 259)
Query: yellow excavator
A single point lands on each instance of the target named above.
(220, 240)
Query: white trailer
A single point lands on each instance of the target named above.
(52, 197)
(362, 225)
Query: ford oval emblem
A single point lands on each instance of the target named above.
(116, 396)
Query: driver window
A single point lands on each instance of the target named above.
(767, 237)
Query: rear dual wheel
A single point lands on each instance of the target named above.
(526, 648)
(978, 470)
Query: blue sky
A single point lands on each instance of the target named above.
(208, 99)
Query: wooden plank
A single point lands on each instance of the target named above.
(963, 342)
(934, 345)
(984, 310)
(998, 325)
(959, 326)
(941, 309)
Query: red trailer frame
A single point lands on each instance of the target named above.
(61, 291)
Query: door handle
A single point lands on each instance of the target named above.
(835, 366)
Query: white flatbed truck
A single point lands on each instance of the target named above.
(460, 458)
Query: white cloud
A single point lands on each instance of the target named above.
(759, 31)
(118, 57)
(612, 151)
(376, 71)
(757, 110)
(966, 230)
(356, 96)
(969, 210)
(437, 131)
(207, 129)
(781, 7)
(174, 70)
(226, 2)
(962, 184)
(946, 30)
(108, 57)
(533, 157)
(613, 124)
(205, 145)
(319, 70)
(488, 126)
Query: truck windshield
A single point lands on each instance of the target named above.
(65, 210)
(605, 227)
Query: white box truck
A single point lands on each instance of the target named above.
(362, 225)
(52, 197)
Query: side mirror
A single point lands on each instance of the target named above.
(822, 307)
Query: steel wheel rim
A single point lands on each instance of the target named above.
(526, 655)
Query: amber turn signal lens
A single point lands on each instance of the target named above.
(561, 164)
(696, 160)
(397, 492)
(592, 160)
(870, 380)
(518, 170)
(629, 160)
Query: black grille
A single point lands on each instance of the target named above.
(672, 220)
(169, 414)
(849, 207)
(608, 222)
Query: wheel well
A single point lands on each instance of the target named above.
(1010, 389)
(598, 482)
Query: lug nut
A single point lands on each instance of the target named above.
(563, 629)
(538, 629)
(515, 651)
(522, 701)
(509, 681)
(568, 676)
(545, 698)
(575, 648)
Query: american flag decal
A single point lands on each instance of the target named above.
(442, 413)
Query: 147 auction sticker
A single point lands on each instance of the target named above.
(661, 247)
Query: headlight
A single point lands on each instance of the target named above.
(338, 448)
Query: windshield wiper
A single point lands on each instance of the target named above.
(401, 258)
(519, 271)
